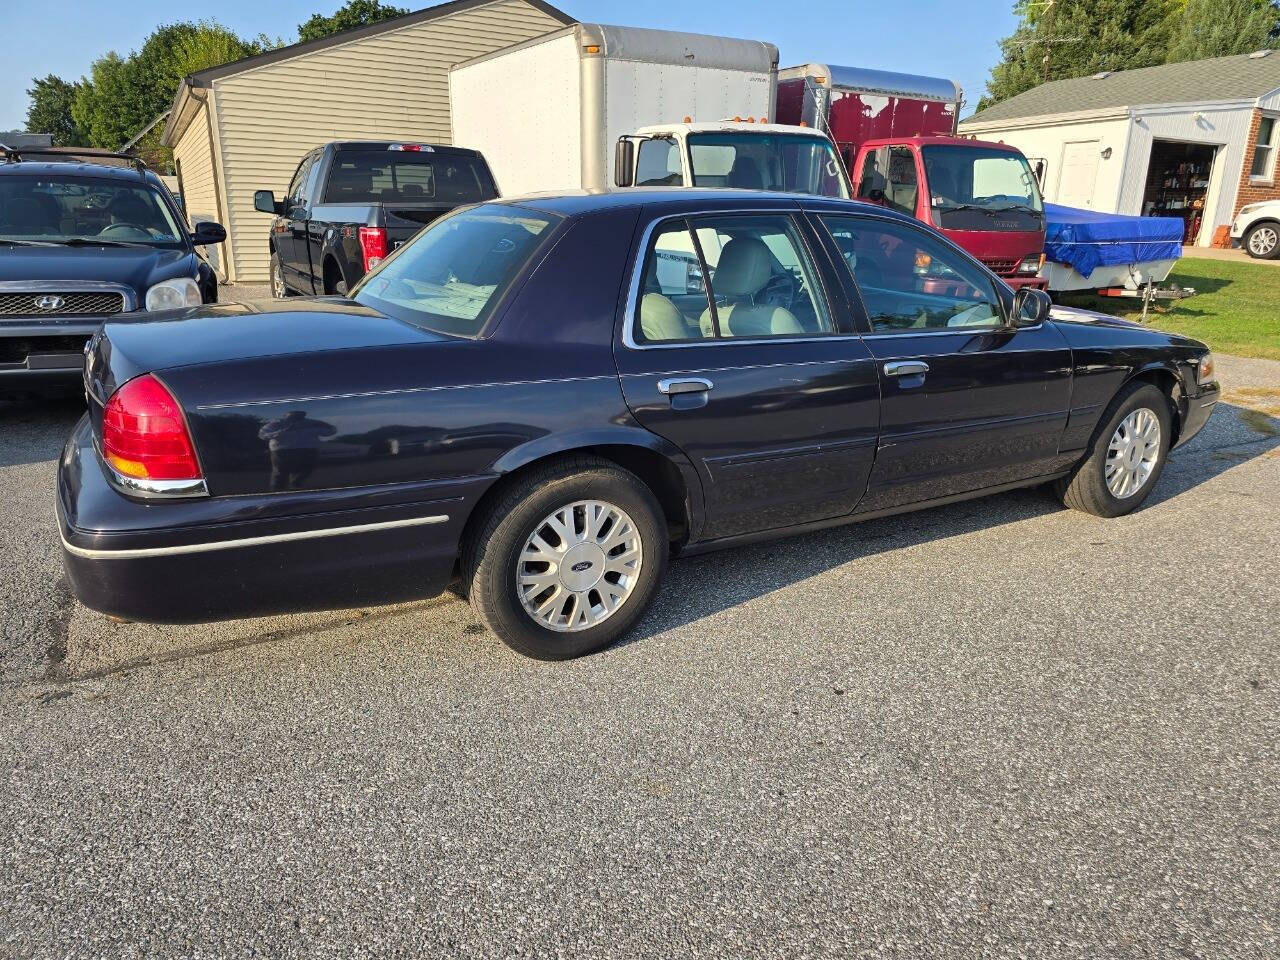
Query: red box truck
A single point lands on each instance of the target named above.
(897, 136)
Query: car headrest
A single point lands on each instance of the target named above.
(745, 266)
(129, 209)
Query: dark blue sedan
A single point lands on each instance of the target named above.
(548, 398)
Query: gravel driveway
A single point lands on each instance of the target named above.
(992, 729)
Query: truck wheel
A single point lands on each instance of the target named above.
(567, 560)
(1262, 241)
(278, 289)
(334, 285)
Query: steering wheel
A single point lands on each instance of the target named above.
(135, 228)
(780, 291)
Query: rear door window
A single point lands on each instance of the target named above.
(403, 176)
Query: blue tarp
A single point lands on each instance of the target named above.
(1087, 240)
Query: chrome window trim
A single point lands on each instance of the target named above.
(637, 275)
(130, 298)
(208, 546)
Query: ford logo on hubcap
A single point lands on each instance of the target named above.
(580, 566)
(50, 302)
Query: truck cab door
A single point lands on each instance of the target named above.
(890, 177)
(294, 257)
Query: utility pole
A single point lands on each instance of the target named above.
(1048, 39)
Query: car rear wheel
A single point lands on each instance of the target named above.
(567, 560)
(1126, 457)
(1263, 241)
(278, 289)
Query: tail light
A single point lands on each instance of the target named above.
(145, 436)
(373, 243)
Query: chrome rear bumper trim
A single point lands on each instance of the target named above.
(129, 554)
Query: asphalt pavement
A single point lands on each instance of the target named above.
(999, 728)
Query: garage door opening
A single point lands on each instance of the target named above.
(1177, 183)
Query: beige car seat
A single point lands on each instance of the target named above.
(660, 319)
(745, 268)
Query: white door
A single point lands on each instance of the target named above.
(1079, 174)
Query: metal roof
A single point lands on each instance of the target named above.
(883, 82)
(1242, 77)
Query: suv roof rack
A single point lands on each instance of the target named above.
(70, 155)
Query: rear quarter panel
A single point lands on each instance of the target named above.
(542, 376)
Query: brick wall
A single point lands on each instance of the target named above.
(1251, 191)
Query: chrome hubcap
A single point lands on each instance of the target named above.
(579, 566)
(277, 282)
(1133, 453)
(1263, 240)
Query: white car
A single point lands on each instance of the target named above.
(1257, 229)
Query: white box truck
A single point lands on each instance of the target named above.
(593, 106)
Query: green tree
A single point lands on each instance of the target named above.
(122, 95)
(1220, 28)
(1079, 38)
(353, 13)
(50, 110)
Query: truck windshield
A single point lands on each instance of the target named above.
(790, 163)
(53, 209)
(450, 276)
(404, 176)
(977, 188)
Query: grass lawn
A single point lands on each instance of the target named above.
(1236, 308)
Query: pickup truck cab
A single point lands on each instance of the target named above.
(351, 203)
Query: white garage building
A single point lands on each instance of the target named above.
(1194, 140)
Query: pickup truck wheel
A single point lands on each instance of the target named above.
(567, 560)
(278, 289)
(1126, 456)
(1262, 241)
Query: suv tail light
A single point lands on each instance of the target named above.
(145, 436)
(373, 242)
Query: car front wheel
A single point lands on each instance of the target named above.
(1126, 457)
(1263, 241)
(567, 560)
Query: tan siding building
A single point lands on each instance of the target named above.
(244, 126)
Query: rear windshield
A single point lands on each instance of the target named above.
(54, 209)
(401, 176)
(450, 276)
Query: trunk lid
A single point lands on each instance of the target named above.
(153, 343)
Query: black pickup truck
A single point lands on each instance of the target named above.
(351, 203)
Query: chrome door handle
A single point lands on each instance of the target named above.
(674, 385)
(906, 368)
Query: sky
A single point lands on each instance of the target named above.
(946, 38)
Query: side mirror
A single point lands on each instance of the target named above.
(624, 162)
(208, 233)
(1040, 173)
(1030, 307)
(265, 202)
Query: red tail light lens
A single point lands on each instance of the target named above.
(144, 435)
(373, 242)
